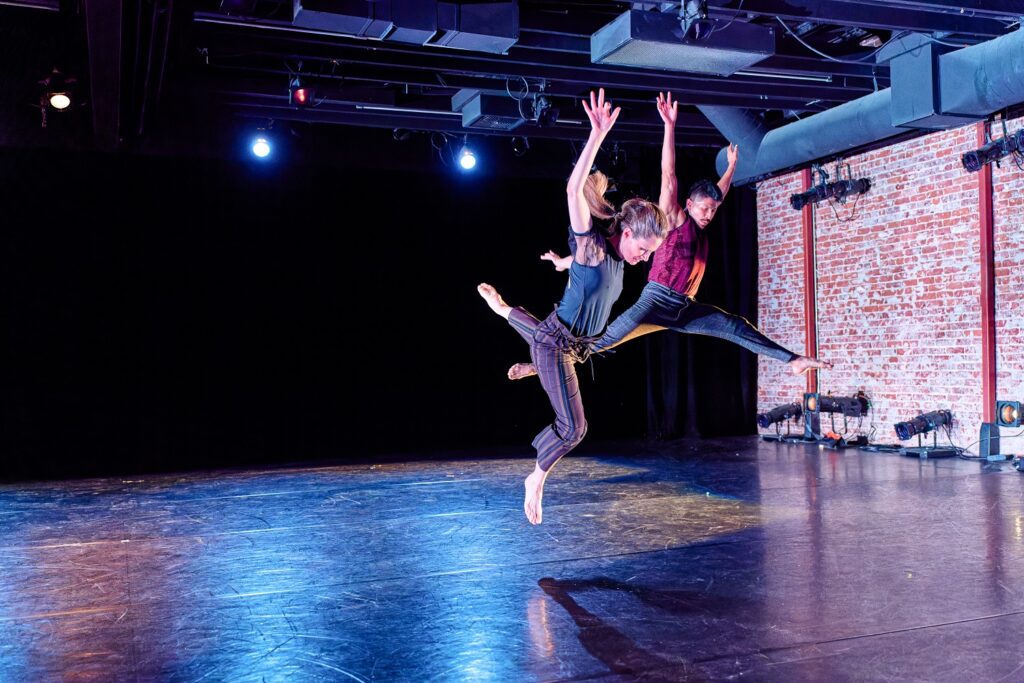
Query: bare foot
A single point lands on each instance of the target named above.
(802, 364)
(494, 300)
(521, 370)
(534, 485)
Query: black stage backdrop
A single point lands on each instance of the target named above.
(162, 313)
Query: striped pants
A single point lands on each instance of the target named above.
(554, 351)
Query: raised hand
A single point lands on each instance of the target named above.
(668, 109)
(733, 154)
(600, 113)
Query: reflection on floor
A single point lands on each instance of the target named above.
(706, 560)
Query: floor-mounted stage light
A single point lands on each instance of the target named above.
(976, 159)
(791, 412)
(856, 406)
(922, 424)
(1008, 414)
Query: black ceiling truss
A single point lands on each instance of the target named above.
(241, 55)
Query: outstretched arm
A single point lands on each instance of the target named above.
(668, 201)
(726, 180)
(602, 118)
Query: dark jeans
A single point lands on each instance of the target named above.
(660, 308)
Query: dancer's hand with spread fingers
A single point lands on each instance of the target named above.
(559, 262)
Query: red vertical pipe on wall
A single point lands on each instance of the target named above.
(810, 286)
(988, 287)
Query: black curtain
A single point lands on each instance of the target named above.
(168, 313)
(702, 386)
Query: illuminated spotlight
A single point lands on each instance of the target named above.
(1008, 414)
(261, 145)
(814, 404)
(467, 159)
(57, 90)
(520, 145)
(994, 151)
(300, 95)
(922, 424)
(60, 101)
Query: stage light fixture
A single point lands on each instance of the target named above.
(848, 406)
(467, 159)
(520, 145)
(57, 90)
(261, 145)
(814, 404)
(1008, 414)
(544, 113)
(779, 414)
(838, 190)
(300, 95)
(923, 423)
(401, 134)
(995, 150)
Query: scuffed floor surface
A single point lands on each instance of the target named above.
(725, 559)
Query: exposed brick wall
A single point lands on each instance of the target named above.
(898, 296)
(780, 306)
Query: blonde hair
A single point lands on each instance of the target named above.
(593, 191)
(645, 219)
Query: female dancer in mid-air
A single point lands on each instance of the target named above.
(630, 235)
(667, 300)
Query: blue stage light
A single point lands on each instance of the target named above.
(261, 147)
(467, 159)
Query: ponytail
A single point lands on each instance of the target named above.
(593, 191)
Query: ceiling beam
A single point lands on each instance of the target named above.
(49, 5)
(253, 107)
(1002, 10)
(753, 92)
(863, 15)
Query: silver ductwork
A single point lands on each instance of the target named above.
(968, 84)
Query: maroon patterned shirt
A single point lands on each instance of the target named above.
(679, 262)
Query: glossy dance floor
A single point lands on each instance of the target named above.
(713, 560)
